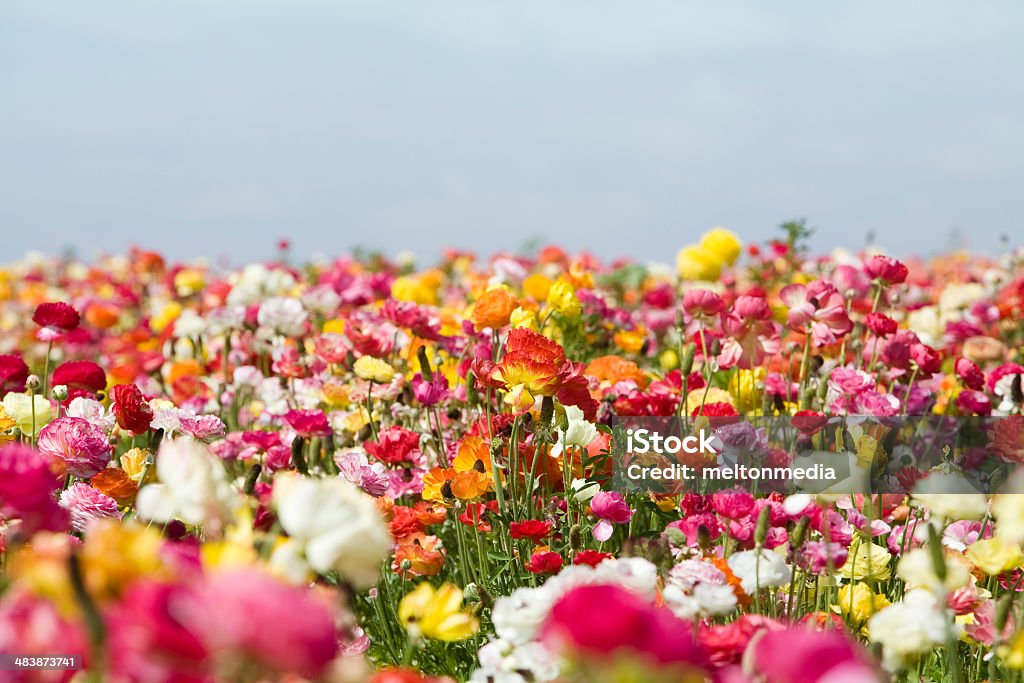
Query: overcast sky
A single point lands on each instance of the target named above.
(212, 128)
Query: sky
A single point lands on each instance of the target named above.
(212, 128)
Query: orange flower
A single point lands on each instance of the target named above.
(494, 308)
(428, 514)
(470, 485)
(425, 555)
(102, 315)
(437, 486)
(115, 482)
(612, 369)
(530, 366)
(631, 341)
(536, 286)
(473, 454)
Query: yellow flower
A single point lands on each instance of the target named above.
(696, 263)
(723, 243)
(373, 370)
(562, 299)
(134, 463)
(334, 326)
(437, 614)
(867, 561)
(6, 422)
(857, 602)
(995, 556)
(114, 555)
(631, 341)
(1013, 654)
(537, 286)
(714, 395)
(28, 409)
(524, 317)
(409, 288)
(188, 281)
(167, 315)
(668, 360)
(745, 387)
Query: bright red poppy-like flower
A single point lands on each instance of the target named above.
(886, 269)
(546, 562)
(591, 558)
(809, 421)
(130, 408)
(881, 325)
(1007, 438)
(533, 529)
(394, 445)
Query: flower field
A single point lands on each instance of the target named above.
(365, 469)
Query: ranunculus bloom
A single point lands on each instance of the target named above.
(610, 508)
(82, 446)
(886, 269)
(308, 423)
(702, 303)
(132, 411)
(533, 529)
(81, 377)
(969, 373)
(56, 316)
(881, 325)
(494, 308)
(13, 373)
(818, 306)
(801, 655)
(27, 485)
(545, 562)
(86, 504)
(394, 445)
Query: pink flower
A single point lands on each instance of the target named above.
(600, 620)
(886, 270)
(308, 423)
(973, 402)
(13, 373)
(819, 306)
(430, 393)
(850, 381)
(702, 303)
(750, 331)
(691, 525)
(86, 504)
(81, 445)
(816, 556)
(203, 427)
(801, 655)
(27, 486)
(969, 373)
(31, 626)
(610, 508)
(732, 504)
(881, 325)
(252, 617)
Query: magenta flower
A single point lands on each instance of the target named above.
(430, 393)
(751, 334)
(610, 508)
(702, 303)
(817, 556)
(886, 270)
(86, 504)
(80, 444)
(308, 423)
(818, 306)
(732, 504)
(802, 655)
(27, 486)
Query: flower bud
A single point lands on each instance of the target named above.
(425, 369)
(252, 478)
(761, 531)
(33, 383)
(298, 455)
(686, 365)
(796, 539)
(60, 393)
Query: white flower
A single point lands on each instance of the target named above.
(282, 315)
(715, 599)
(584, 489)
(225, 319)
(579, 432)
(909, 628)
(518, 617)
(918, 571)
(758, 569)
(28, 409)
(950, 496)
(502, 661)
(632, 573)
(189, 324)
(323, 300)
(340, 526)
(193, 487)
(93, 411)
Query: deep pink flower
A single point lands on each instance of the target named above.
(430, 393)
(13, 373)
(750, 332)
(332, 348)
(927, 359)
(969, 373)
(85, 504)
(610, 508)
(254, 617)
(886, 270)
(32, 626)
(802, 655)
(881, 325)
(819, 306)
(732, 504)
(131, 409)
(27, 487)
(973, 402)
(308, 423)
(691, 525)
(599, 620)
(82, 446)
(816, 556)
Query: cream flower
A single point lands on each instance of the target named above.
(19, 408)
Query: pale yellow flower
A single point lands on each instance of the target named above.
(373, 370)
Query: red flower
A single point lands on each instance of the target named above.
(591, 558)
(308, 423)
(81, 377)
(479, 515)
(130, 408)
(394, 445)
(886, 269)
(881, 325)
(405, 523)
(533, 529)
(57, 315)
(545, 563)
(1007, 435)
(809, 421)
(974, 402)
(928, 360)
(13, 373)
